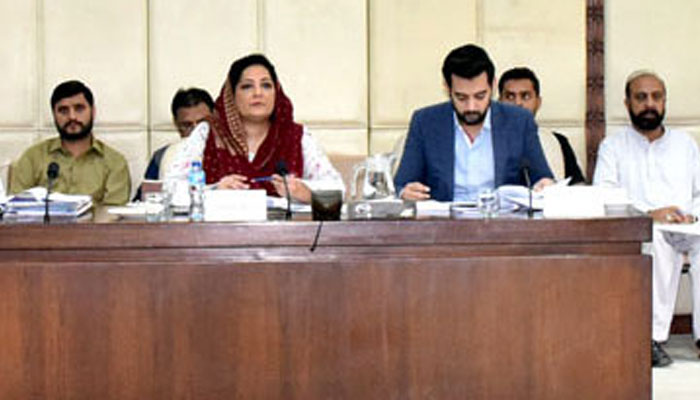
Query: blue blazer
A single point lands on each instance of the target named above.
(429, 158)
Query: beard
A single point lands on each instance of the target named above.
(84, 132)
(471, 117)
(647, 120)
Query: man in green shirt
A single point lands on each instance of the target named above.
(86, 165)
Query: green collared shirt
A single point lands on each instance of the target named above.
(101, 172)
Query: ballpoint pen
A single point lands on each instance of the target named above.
(261, 179)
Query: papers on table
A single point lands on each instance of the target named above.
(128, 210)
(30, 203)
(520, 195)
(558, 200)
(280, 203)
(457, 209)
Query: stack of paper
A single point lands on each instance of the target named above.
(520, 195)
(30, 203)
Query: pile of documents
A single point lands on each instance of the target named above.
(31, 203)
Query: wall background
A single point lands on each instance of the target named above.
(354, 69)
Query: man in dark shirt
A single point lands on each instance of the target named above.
(189, 107)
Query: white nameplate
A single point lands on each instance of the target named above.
(235, 205)
(573, 202)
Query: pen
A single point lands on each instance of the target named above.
(261, 179)
(692, 218)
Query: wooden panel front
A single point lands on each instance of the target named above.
(540, 327)
(420, 235)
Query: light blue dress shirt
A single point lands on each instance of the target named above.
(474, 165)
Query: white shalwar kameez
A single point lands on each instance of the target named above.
(657, 174)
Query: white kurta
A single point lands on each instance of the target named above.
(662, 173)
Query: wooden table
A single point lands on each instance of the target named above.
(439, 309)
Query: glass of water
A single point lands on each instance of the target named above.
(488, 203)
(154, 207)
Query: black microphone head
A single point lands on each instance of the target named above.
(52, 171)
(281, 168)
(524, 163)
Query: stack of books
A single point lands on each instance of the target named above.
(31, 204)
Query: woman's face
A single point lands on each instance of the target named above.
(255, 94)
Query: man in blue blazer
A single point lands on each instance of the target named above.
(458, 148)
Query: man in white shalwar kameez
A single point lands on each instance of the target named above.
(660, 169)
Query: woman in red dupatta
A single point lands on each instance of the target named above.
(253, 133)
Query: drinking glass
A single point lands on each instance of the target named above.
(155, 208)
(488, 203)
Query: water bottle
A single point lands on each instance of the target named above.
(196, 180)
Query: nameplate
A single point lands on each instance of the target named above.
(235, 205)
(573, 202)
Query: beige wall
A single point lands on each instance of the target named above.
(355, 69)
(658, 36)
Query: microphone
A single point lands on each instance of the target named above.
(281, 170)
(52, 174)
(525, 168)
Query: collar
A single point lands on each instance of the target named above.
(642, 137)
(96, 146)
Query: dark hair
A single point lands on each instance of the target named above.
(190, 98)
(467, 62)
(234, 74)
(519, 73)
(70, 89)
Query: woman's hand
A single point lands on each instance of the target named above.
(233, 181)
(297, 189)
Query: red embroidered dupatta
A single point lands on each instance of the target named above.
(226, 150)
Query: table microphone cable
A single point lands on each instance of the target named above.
(318, 234)
(52, 174)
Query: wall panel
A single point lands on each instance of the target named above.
(104, 44)
(349, 141)
(194, 46)
(548, 37)
(646, 34)
(408, 41)
(319, 49)
(12, 144)
(386, 140)
(18, 61)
